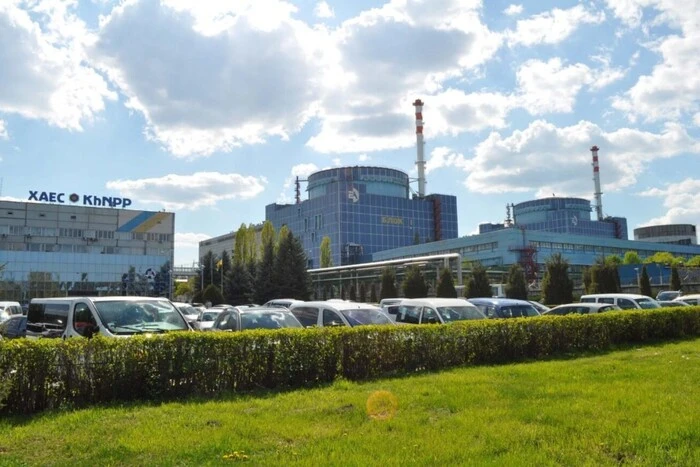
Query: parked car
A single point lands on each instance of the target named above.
(626, 301)
(672, 303)
(14, 327)
(390, 306)
(580, 308)
(110, 316)
(281, 302)
(246, 318)
(338, 313)
(668, 295)
(540, 307)
(188, 311)
(8, 309)
(690, 299)
(205, 319)
(436, 311)
(504, 307)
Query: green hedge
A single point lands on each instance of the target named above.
(46, 374)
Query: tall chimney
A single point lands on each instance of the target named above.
(420, 145)
(596, 180)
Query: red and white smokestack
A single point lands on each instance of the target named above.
(420, 145)
(596, 180)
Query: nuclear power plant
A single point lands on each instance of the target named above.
(371, 214)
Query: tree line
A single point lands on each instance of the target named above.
(264, 268)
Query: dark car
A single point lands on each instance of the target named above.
(581, 309)
(14, 327)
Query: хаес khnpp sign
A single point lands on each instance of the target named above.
(87, 200)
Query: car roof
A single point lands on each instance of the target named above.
(437, 301)
(692, 295)
(499, 301)
(595, 305)
(615, 295)
(336, 305)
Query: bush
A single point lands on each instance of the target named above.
(48, 374)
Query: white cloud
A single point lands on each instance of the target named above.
(513, 10)
(43, 73)
(190, 191)
(552, 26)
(682, 201)
(526, 160)
(189, 239)
(696, 119)
(300, 170)
(323, 10)
(551, 86)
(442, 157)
(388, 57)
(231, 73)
(364, 158)
(3, 130)
(671, 90)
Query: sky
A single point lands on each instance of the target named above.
(210, 109)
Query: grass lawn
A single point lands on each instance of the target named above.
(639, 406)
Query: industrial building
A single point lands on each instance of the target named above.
(364, 210)
(69, 248)
(678, 234)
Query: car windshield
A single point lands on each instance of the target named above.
(647, 303)
(188, 310)
(210, 315)
(365, 316)
(517, 311)
(139, 316)
(668, 295)
(459, 313)
(268, 319)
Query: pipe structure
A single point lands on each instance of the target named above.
(420, 146)
(596, 181)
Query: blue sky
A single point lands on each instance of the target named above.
(210, 108)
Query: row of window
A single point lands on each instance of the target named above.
(479, 247)
(588, 248)
(84, 233)
(58, 248)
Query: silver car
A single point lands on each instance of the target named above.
(246, 318)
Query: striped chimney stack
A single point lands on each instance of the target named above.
(420, 146)
(596, 180)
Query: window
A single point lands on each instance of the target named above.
(227, 321)
(429, 316)
(408, 314)
(331, 318)
(625, 304)
(83, 320)
(307, 316)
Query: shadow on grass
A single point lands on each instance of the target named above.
(266, 393)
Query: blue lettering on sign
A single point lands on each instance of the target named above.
(88, 200)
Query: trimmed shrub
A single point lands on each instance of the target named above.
(51, 373)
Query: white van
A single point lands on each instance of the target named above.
(115, 316)
(334, 313)
(625, 301)
(436, 311)
(8, 309)
(690, 299)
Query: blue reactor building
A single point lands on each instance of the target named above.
(364, 210)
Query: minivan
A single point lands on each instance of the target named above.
(625, 301)
(504, 307)
(116, 316)
(338, 313)
(436, 311)
(8, 309)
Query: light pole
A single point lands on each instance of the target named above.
(639, 285)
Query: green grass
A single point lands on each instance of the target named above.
(635, 407)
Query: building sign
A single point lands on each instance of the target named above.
(354, 195)
(74, 198)
(392, 220)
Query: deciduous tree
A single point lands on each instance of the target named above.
(326, 256)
